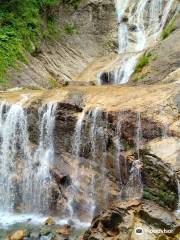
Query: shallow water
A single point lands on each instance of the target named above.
(10, 222)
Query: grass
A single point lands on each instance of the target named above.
(143, 61)
(169, 28)
(53, 83)
(69, 28)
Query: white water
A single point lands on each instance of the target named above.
(88, 131)
(7, 219)
(178, 210)
(36, 184)
(140, 23)
(138, 135)
(24, 175)
(76, 148)
(14, 144)
(118, 149)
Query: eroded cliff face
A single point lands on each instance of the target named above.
(116, 130)
(115, 149)
(92, 48)
(60, 61)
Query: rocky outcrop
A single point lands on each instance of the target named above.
(133, 220)
(165, 63)
(120, 109)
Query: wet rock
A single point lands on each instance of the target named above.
(60, 179)
(133, 28)
(129, 216)
(65, 230)
(125, 19)
(49, 221)
(34, 235)
(18, 235)
(48, 237)
(159, 180)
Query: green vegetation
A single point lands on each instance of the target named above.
(69, 28)
(143, 61)
(23, 24)
(53, 83)
(169, 28)
(138, 77)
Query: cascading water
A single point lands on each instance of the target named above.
(139, 24)
(134, 187)
(76, 148)
(88, 131)
(178, 197)
(118, 149)
(14, 144)
(24, 175)
(36, 185)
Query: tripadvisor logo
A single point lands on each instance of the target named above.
(139, 231)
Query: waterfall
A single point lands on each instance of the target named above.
(88, 133)
(118, 148)
(14, 145)
(76, 148)
(134, 186)
(139, 24)
(98, 135)
(178, 183)
(138, 134)
(24, 175)
(37, 178)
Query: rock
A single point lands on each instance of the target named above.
(96, 24)
(49, 221)
(129, 217)
(48, 237)
(159, 180)
(34, 234)
(18, 235)
(65, 230)
(45, 230)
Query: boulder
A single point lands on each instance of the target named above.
(49, 221)
(65, 230)
(125, 220)
(18, 235)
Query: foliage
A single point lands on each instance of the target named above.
(22, 26)
(143, 61)
(21, 29)
(169, 28)
(53, 83)
(69, 28)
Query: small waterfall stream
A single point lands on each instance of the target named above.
(37, 176)
(134, 187)
(24, 174)
(178, 208)
(12, 121)
(139, 24)
(88, 133)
